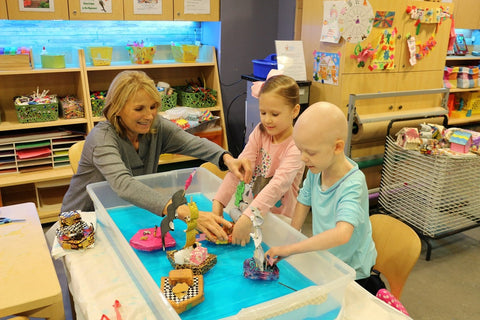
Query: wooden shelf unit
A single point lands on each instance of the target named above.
(46, 187)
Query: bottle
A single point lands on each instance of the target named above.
(44, 51)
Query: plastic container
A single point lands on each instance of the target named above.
(141, 55)
(213, 134)
(329, 274)
(53, 61)
(185, 52)
(101, 56)
(261, 68)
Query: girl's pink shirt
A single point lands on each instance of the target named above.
(280, 161)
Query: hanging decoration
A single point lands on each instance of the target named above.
(384, 19)
(427, 15)
(362, 55)
(355, 20)
(385, 51)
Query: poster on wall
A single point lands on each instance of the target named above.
(290, 59)
(96, 6)
(196, 6)
(330, 30)
(325, 67)
(147, 6)
(355, 20)
(36, 5)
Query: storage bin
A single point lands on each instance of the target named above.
(261, 68)
(467, 77)
(185, 52)
(201, 98)
(169, 101)
(213, 134)
(141, 55)
(37, 112)
(471, 101)
(53, 61)
(97, 100)
(329, 275)
(450, 77)
(101, 56)
(15, 62)
(72, 107)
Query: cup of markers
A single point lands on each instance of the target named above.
(141, 53)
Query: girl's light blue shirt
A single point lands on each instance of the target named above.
(346, 200)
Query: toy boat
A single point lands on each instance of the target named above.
(183, 289)
(150, 239)
(256, 268)
(193, 256)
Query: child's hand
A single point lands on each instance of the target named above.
(241, 231)
(275, 254)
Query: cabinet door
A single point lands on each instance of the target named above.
(3, 13)
(466, 14)
(130, 14)
(95, 10)
(194, 10)
(435, 58)
(31, 10)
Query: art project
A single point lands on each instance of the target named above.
(183, 289)
(150, 239)
(256, 267)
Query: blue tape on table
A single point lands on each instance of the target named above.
(226, 290)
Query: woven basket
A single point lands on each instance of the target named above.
(197, 99)
(37, 112)
(169, 101)
(197, 270)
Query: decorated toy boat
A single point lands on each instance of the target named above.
(257, 268)
(183, 289)
(193, 256)
(150, 239)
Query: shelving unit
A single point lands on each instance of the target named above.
(463, 61)
(47, 185)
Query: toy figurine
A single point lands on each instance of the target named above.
(256, 267)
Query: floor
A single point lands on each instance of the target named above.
(445, 288)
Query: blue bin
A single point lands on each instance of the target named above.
(261, 68)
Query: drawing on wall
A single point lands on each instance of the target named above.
(36, 5)
(326, 67)
(355, 20)
(330, 31)
(196, 6)
(147, 6)
(384, 19)
(96, 6)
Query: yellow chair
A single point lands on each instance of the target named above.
(398, 249)
(214, 169)
(74, 154)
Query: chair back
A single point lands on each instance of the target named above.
(398, 248)
(214, 169)
(74, 154)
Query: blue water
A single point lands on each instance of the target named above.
(226, 290)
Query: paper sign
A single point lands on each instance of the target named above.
(196, 7)
(147, 6)
(94, 6)
(290, 59)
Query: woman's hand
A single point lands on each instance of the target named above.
(241, 231)
(212, 226)
(241, 168)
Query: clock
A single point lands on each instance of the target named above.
(355, 20)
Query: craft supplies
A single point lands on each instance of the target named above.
(141, 53)
(38, 107)
(97, 100)
(195, 95)
(72, 107)
(15, 58)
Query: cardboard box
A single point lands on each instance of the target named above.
(329, 274)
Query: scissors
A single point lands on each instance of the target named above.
(4, 220)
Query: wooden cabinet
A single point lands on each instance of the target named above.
(30, 11)
(166, 15)
(3, 10)
(466, 14)
(195, 12)
(47, 184)
(79, 11)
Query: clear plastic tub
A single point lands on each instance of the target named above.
(320, 301)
